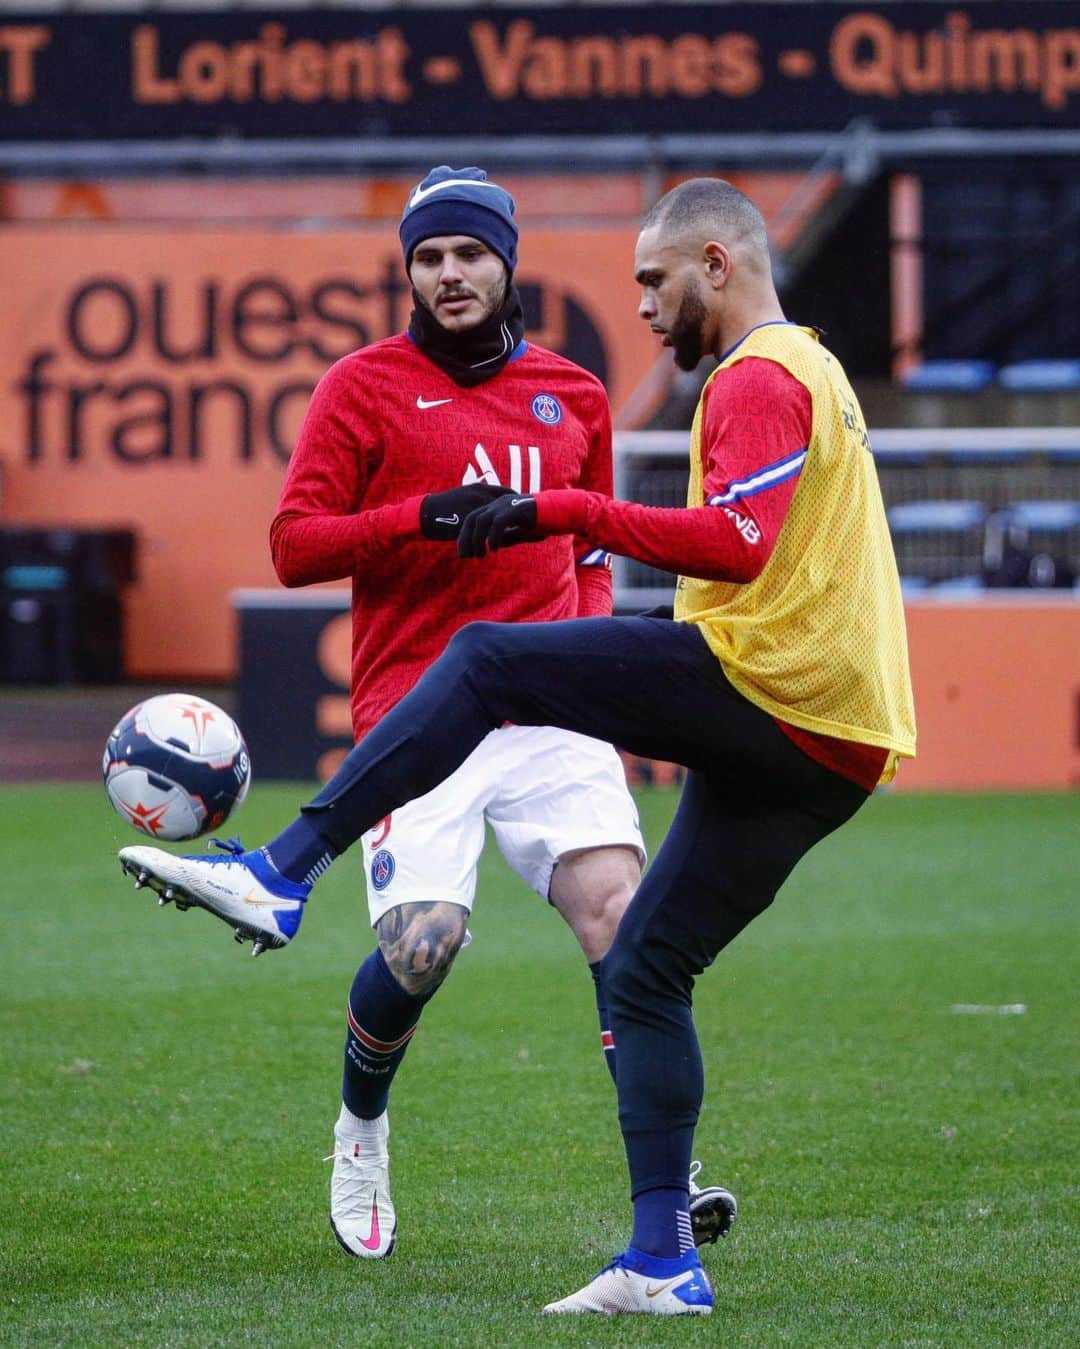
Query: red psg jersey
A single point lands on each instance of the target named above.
(386, 426)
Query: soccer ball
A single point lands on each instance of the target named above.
(176, 766)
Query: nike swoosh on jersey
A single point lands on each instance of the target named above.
(431, 402)
(422, 193)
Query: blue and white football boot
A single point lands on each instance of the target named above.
(243, 889)
(636, 1282)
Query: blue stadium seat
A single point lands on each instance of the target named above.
(977, 454)
(949, 376)
(905, 458)
(937, 540)
(960, 585)
(1055, 516)
(1040, 376)
(936, 517)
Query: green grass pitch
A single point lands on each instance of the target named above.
(906, 1172)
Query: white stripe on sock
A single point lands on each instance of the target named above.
(318, 869)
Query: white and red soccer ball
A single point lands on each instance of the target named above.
(176, 766)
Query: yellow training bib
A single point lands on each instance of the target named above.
(818, 639)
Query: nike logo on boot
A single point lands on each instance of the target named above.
(371, 1242)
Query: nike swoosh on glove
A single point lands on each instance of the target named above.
(500, 524)
(442, 513)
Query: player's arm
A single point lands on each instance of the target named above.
(755, 430)
(321, 530)
(593, 563)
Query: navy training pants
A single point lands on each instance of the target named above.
(752, 806)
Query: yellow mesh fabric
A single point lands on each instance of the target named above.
(818, 639)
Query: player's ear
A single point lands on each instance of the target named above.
(717, 259)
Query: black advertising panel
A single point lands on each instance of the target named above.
(686, 69)
(292, 681)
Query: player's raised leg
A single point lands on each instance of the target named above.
(536, 674)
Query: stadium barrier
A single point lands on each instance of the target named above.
(951, 494)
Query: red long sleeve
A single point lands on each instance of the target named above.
(321, 531)
(755, 429)
(310, 548)
(594, 591)
(693, 542)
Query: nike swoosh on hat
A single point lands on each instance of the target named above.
(421, 193)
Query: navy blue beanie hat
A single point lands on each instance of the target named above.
(460, 201)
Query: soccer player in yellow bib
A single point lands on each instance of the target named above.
(782, 684)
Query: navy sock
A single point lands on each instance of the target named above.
(382, 1018)
(300, 852)
(662, 1223)
(607, 1040)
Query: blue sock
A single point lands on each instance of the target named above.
(607, 1040)
(300, 852)
(662, 1223)
(382, 1018)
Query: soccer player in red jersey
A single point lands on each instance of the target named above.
(783, 685)
(401, 441)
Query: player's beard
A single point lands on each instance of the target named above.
(686, 333)
(492, 301)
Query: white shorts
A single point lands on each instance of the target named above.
(545, 792)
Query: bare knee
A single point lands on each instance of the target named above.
(591, 889)
(419, 943)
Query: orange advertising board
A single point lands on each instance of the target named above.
(997, 694)
(155, 379)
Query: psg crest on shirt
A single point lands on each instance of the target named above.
(547, 409)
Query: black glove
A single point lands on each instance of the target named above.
(441, 513)
(509, 520)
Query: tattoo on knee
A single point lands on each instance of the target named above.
(419, 943)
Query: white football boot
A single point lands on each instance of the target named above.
(636, 1282)
(361, 1210)
(241, 888)
(712, 1209)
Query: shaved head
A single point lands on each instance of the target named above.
(702, 262)
(709, 208)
